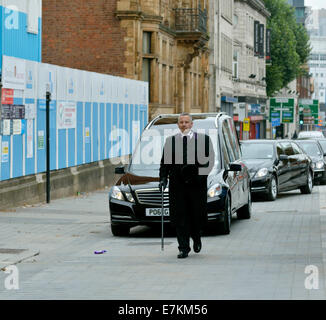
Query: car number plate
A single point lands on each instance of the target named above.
(157, 212)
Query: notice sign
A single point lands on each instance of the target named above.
(5, 151)
(7, 96)
(66, 115)
(17, 127)
(6, 111)
(40, 139)
(18, 112)
(87, 135)
(30, 138)
(246, 124)
(30, 111)
(9, 111)
(6, 127)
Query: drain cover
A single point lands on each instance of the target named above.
(11, 251)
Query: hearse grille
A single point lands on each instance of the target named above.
(152, 197)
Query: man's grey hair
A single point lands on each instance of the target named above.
(185, 114)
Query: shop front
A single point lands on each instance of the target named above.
(227, 104)
(255, 117)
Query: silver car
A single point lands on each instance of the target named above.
(311, 134)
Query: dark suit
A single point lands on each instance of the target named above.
(187, 163)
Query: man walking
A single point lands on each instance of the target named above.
(187, 159)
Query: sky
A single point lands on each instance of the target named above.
(316, 4)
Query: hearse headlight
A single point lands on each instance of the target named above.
(116, 193)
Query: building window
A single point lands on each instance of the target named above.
(226, 54)
(147, 61)
(235, 64)
(147, 42)
(314, 56)
(235, 20)
(226, 10)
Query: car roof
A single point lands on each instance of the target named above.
(272, 141)
(258, 141)
(312, 133)
(173, 118)
(312, 138)
(308, 140)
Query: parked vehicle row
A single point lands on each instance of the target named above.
(314, 144)
(276, 166)
(315, 151)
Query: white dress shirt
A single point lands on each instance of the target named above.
(189, 134)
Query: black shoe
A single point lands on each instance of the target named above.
(182, 255)
(197, 246)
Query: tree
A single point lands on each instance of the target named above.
(290, 47)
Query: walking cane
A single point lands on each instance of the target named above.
(162, 220)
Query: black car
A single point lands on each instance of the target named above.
(276, 166)
(136, 199)
(314, 150)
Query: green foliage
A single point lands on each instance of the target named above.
(290, 47)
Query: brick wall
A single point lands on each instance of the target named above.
(83, 35)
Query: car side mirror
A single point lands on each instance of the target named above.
(235, 167)
(284, 157)
(119, 170)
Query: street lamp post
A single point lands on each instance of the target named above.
(48, 100)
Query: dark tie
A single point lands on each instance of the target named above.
(184, 149)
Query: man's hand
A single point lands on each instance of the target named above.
(163, 183)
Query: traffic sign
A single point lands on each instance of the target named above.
(309, 109)
(276, 122)
(282, 108)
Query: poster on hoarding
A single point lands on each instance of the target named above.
(6, 127)
(87, 135)
(40, 140)
(30, 138)
(5, 151)
(16, 126)
(14, 73)
(30, 111)
(7, 96)
(47, 80)
(31, 79)
(66, 115)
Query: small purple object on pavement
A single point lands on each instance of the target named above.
(99, 252)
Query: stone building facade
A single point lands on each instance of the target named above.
(221, 50)
(249, 65)
(164, 42)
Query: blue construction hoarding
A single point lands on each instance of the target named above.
(92, 117)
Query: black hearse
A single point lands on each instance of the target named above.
(136, 200)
